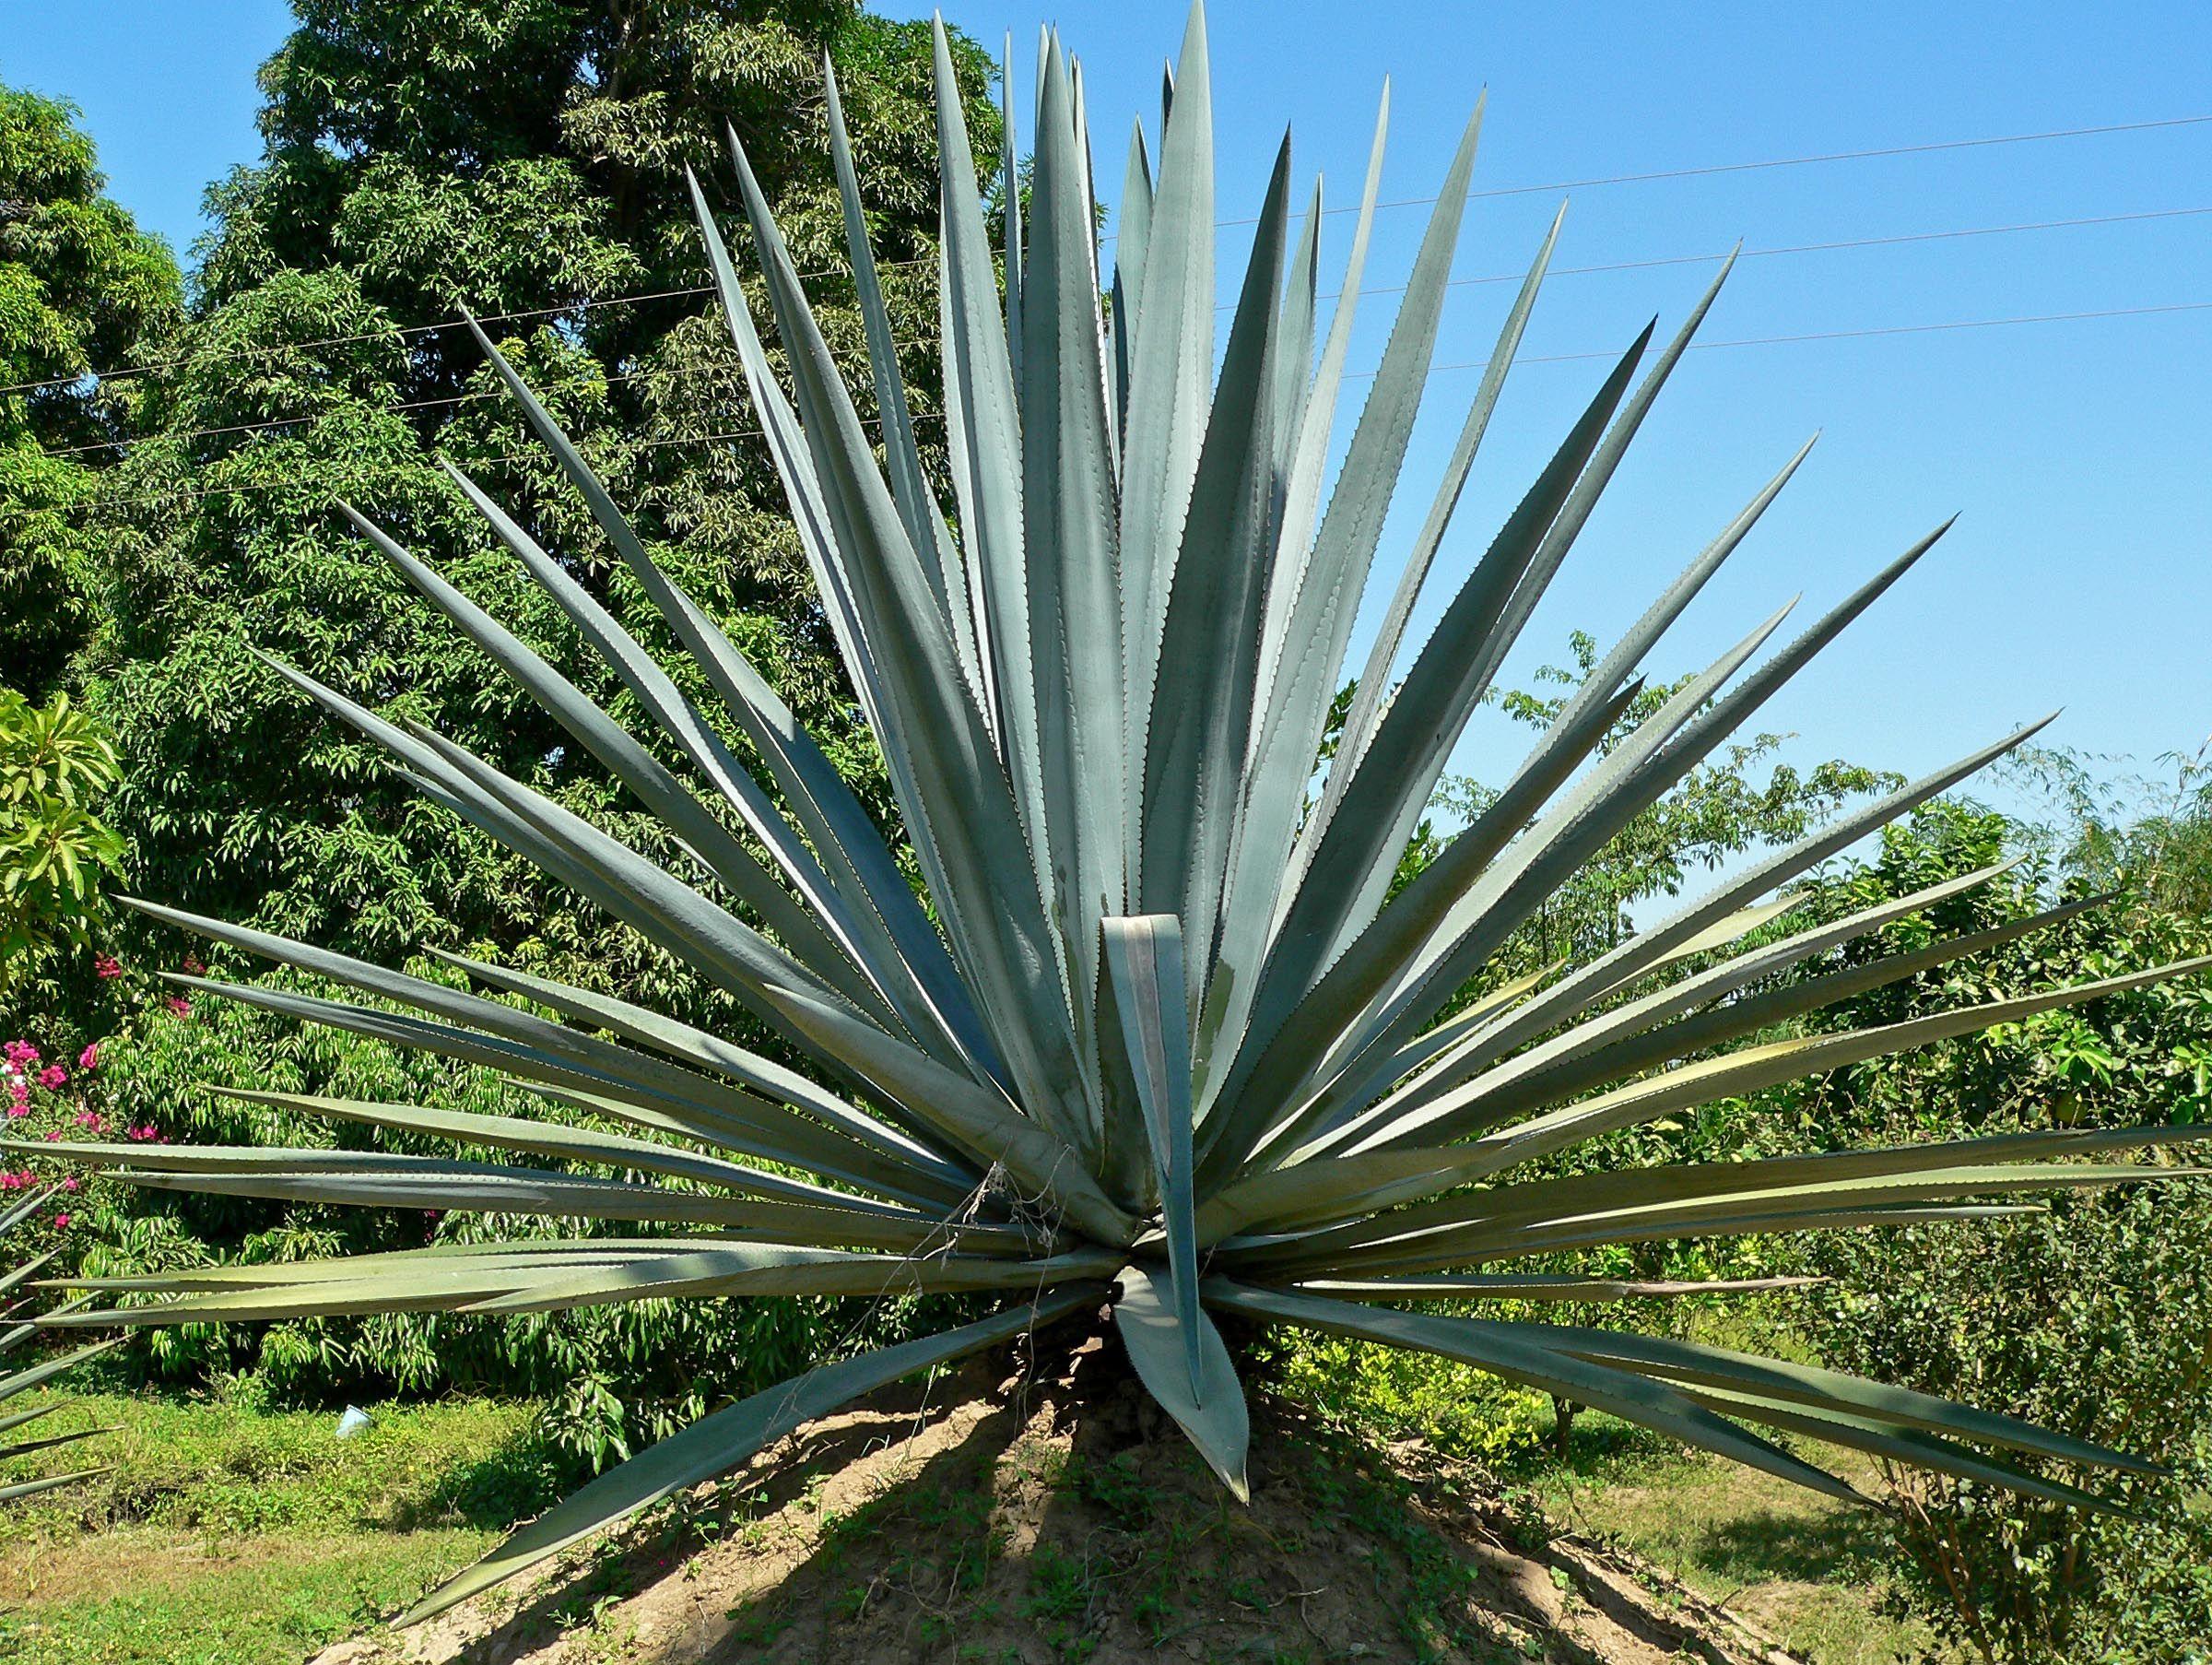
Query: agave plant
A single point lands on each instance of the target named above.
(1157, 1042)
(18, 1330)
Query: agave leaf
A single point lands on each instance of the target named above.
(1207, 1401)
(1320, 624)
(1010, 188)
(918, 508)
(1283, 704)
(730, 862)
(722, 1272)
(1548, 1073)
(1577, 1196)
(45, 1370)
(1747, 1015)
(1893, 1444)
(723, 1269)
(31, 1488)
(1522, 1353)
(1145, 982)
(26, 1271)
(27, 1446)
(1434, 1048)
(1502, 1286)
(574, 1054)
(643, 1027)
(1641, 636)
(1379, 957)
(1326, 883)
(983, 436)
(718, 1443)
(1199, 717)
(1668, 937)
(1748, 1070)
(706, 1112)
(1374, 680)
(658, 905)
(976, 1118)
(1133, 225)
(1667, 1221)
(1170, 377)
(564, 1141)
(1575, 513)
(964, 812)
(1630, 781)
(420, 1183)
(32, 1204)
(1831, 1391)
(855, 887)
(1071, 539)
(794, 467)
(1294, 353)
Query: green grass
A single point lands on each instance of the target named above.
(1811, 1572)
(224, 1534)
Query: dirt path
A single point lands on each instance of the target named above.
(992, 1524)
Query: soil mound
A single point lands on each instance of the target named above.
(1061, 1521)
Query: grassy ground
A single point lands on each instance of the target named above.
(225, 1535)
(1810, 1571)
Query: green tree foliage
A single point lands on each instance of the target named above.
(2090, 1317)
(81, 288)
(55, 852)
(526, 163)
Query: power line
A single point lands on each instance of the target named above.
(1710, 169)
(275, 423)
(1861, 334)
(200, 494)
(409, 331)
(1892, 241)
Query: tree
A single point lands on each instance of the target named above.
(526, 163)
(81, 288)
(2091, 1318)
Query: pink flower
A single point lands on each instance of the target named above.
(107, 966)
(61, 1222)
(22, 1054)
(54, 1135)
(192, 967)
(53, 1077)
(69, 1185)
(19, 1098)
(88, 1059)
(145, 1132)
(179, 1005)
(88, 1118)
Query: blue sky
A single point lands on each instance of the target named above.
(2079, 454)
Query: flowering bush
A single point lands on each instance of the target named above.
(51, 1102)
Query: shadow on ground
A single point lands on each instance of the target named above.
(1057, 1518)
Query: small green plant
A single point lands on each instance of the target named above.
(1164, 1035)
(55, 852)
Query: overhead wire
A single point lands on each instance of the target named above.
(196, 494)
(1703, 171)
(274, 423)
